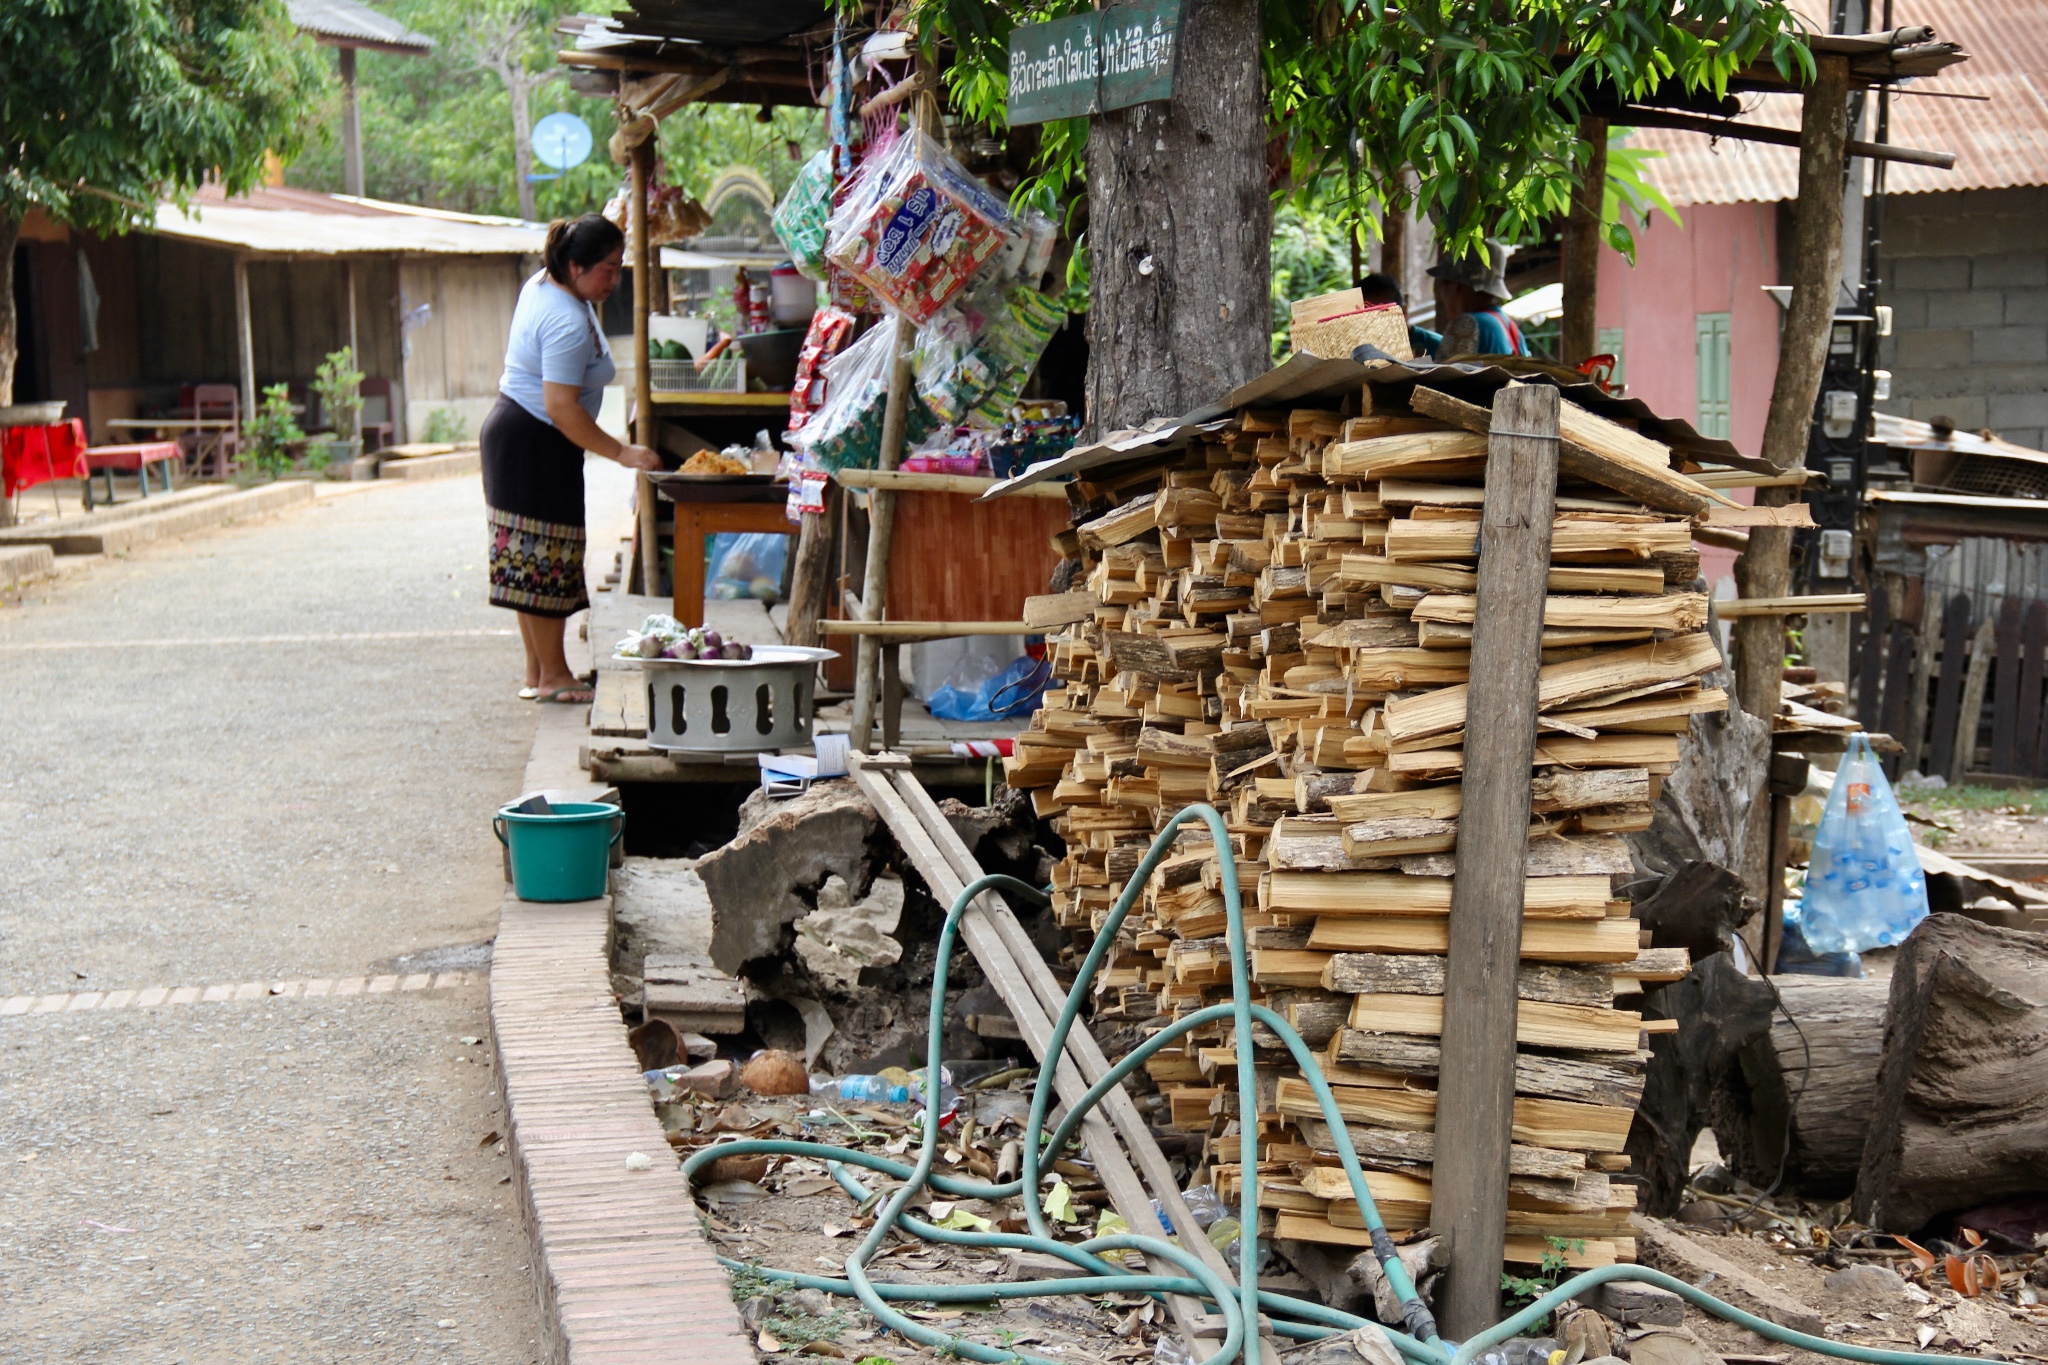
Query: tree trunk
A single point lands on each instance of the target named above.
(1958, 1119)
(1814, 1084)
(1578, 336)
(1180, 231)
(10, 233)
(1765, 569)
(519, 85)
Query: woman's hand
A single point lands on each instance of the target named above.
(639, 457)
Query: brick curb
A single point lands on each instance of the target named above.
(115, 536)
(624, 1270)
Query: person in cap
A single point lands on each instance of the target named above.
(1474, 288)
(1380, 289)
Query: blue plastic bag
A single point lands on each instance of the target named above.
(1864, 885)
(1015, 690)
(744, 564)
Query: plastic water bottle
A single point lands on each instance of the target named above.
(863, 1089)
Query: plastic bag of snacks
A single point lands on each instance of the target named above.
(826, 338)
(916, 227)
(800, 218)
(974, 357)
(846, 432)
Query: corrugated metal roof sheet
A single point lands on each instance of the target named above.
(311, 229)
(1998, 145)
(352, 25)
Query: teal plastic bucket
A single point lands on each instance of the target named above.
(562, 856)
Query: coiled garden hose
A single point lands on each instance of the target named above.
(1238, 1306)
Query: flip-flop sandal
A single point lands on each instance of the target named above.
(581, 694)
(529, 693)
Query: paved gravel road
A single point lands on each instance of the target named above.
(264, 1179)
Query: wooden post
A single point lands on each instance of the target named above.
(1476, 1090)
(647, 534)
(1765, 569)
(348, 284)
(643, 381)
(1579, 334)
(807, 585)
(874, 591)
(245, 337)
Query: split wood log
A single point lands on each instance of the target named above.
(1959, 1118)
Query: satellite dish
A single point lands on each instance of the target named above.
(561, 141)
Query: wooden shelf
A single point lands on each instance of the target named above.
(743, 401)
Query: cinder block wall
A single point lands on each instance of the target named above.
(1967, 277)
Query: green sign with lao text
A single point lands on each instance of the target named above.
(1103, 59)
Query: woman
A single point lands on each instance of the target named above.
(556, 367)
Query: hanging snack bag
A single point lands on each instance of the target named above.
(917, 227)
(800, 218)
(846, 432)
(825, 339)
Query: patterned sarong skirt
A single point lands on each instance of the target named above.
(533, 484)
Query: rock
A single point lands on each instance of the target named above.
(713, 1080)
(840, 937)
(753, 882)
(757, 1310)
(1969, 1324)
(812, 1303)
(1670, 1346)
(1637, 1305)
(1865, 1279)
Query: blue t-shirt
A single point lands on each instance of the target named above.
(1494, 335)
(556, 340)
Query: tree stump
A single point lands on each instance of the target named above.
(1961, 1112)
(1821, 1076)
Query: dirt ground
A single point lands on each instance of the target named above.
(1967, 820)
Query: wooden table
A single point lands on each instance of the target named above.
(135, 459)
(759, 511)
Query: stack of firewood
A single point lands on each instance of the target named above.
(1281, 624)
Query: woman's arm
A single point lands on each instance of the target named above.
(566, 411)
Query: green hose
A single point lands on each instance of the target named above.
(1239, 1306)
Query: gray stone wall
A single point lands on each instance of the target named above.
(1966, 275)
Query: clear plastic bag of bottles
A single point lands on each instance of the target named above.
(1864, 888)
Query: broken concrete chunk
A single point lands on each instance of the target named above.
(754, 882)
(842, 936)
(659, 907)
(686, 991)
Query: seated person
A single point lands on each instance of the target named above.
(1475, 285)
(1381, 289)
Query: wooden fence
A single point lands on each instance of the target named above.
(1966, 678)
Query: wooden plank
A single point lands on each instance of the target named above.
(2005, 706)
(1600, 940)
(2033, 643)
(1948, 692)
(1686, 656)
(1470, 1196)
(1898, 684)
(946, 868)
(1970, 714)
(1737, 608)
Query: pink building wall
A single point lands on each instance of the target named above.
(1717, 262)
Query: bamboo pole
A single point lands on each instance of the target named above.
(874, 590)
(643, 381)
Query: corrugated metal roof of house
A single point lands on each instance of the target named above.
(1998, 145)
(347, 24)
(285, 221)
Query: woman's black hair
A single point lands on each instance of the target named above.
(579, 241)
